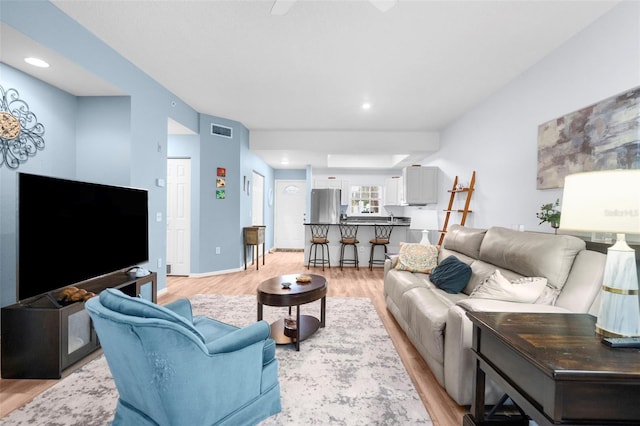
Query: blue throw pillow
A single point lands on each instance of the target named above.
(451, 275)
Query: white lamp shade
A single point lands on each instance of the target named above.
(604, 201)
(424, 220)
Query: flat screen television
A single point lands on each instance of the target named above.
(71, 231)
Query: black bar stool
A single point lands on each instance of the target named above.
(319, 234)
(382, 235)
(348, 237)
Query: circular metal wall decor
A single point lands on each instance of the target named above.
(20, 132)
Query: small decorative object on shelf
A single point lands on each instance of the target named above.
(290, 326)
(303, 279)
(550, 213)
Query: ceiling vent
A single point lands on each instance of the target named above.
(220, 130)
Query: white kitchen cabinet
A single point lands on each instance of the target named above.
(420, 185)
(341, 184)
(393, 191)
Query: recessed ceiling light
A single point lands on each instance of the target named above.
(366, 105)
(37, 62)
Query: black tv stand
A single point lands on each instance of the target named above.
(41, 337)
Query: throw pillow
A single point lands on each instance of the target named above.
(522, 290)
(417, 258)
(548, 295)
(451, 275)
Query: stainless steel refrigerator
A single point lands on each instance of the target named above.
(325, 205)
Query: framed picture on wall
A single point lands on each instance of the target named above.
(602, 136)
(220, 194)
(222, 172)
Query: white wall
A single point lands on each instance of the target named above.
(363, 177)
(498, 138)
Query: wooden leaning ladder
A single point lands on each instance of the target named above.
(464, 211)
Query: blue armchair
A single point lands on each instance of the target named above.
(174, 369)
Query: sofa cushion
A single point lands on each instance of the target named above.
(417, 257)
(451, 275)
(426, 314)
(464, 240)
(531, 254)
(548, 296)
(522, 290)
(396, 283)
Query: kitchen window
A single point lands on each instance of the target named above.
(365, 199)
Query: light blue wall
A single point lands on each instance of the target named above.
(82, 146)
(150, 106)
(104, 138)
(290, 174)
(222, 220)
(252, 163)
(57, 111)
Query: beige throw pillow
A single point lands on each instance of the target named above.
(417, 258)
(522, 290)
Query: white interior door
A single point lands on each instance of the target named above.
(289, 211)
(178, 215)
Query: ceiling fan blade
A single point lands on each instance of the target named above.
(281, 7)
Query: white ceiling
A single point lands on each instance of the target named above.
(421, 64)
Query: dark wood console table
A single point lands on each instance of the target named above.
(42, 337)
(555, 368)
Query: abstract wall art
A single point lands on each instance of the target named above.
(21, 134)
(602, 136)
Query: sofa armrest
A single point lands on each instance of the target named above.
(581, 291)
(389, 264)
(460, 365)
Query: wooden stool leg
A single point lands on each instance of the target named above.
(328, 257)
(371, 257)
(355, 255)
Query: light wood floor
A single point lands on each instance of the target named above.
(347, 283)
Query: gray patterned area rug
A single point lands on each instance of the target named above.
(347, 373)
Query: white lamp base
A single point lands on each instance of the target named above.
(425, 238)
(619, 314)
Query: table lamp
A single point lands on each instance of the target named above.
(609, 201)
(425, 221)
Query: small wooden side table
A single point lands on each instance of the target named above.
(271, 293)
(254, 236)
(555, 368)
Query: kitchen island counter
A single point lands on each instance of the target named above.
(365, 234)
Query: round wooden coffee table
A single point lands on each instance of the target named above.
(272, 293)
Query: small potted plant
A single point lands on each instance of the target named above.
(550, 213)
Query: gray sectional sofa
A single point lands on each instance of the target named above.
(435, 321)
